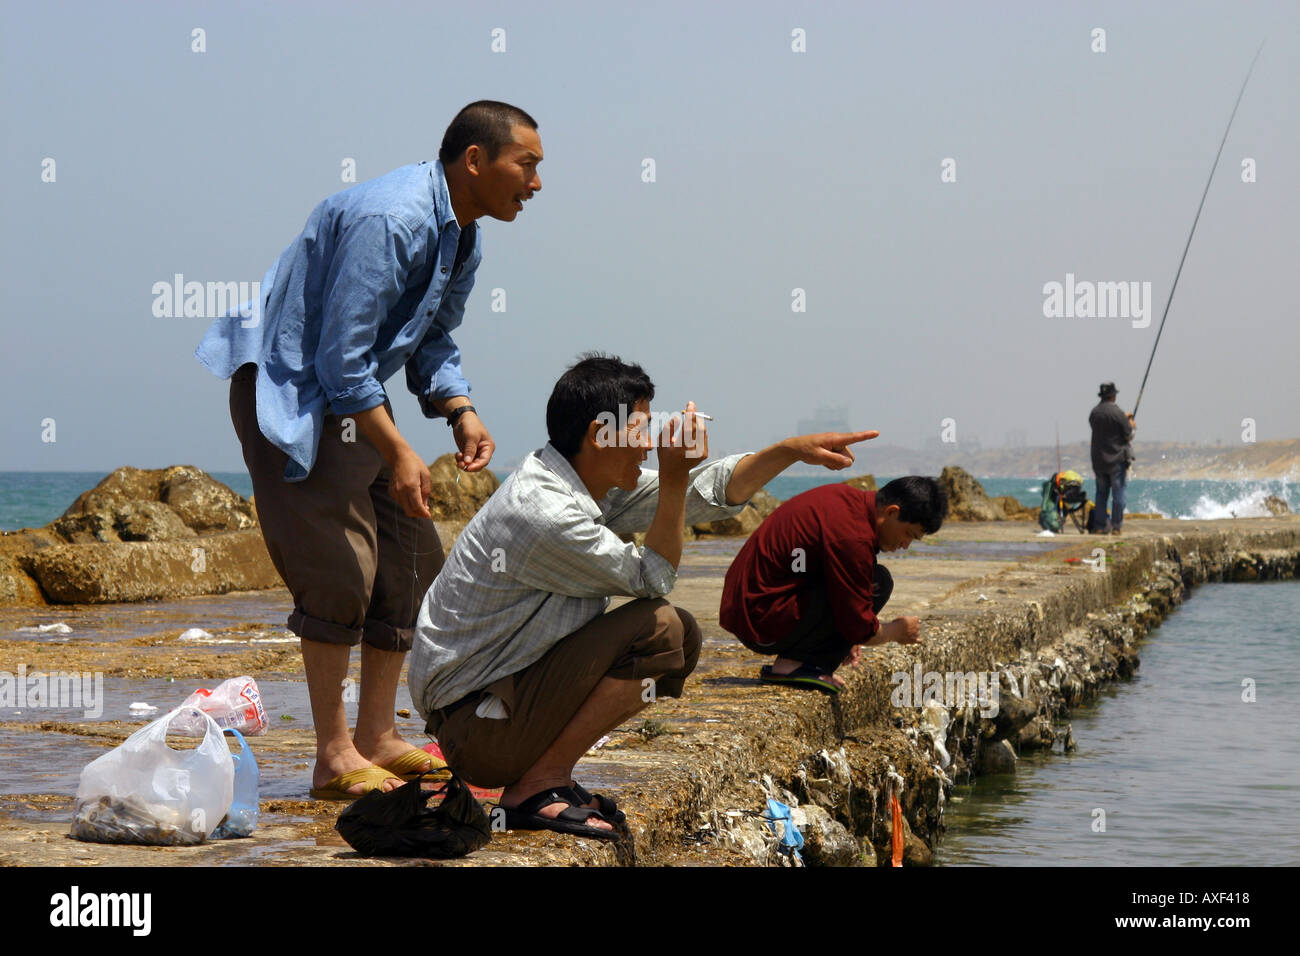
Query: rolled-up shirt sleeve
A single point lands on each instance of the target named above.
(367, 275)
(706, 498)
(434, 371)
(577, 557)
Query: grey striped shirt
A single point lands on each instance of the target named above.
(537, 562)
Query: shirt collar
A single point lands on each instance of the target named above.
(550, 458)
(441, 196)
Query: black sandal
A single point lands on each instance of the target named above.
(574, 819)
(606, 805)
(805, 675)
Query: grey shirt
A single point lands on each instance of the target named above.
(537, 562)
(1111, 436)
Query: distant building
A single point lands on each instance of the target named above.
(827, 418)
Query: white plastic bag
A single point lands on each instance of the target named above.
(145, 792)
(235, 703)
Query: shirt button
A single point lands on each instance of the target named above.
(444, 270)
(430, 312)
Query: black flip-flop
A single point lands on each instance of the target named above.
(574, 819)
(803, 676)
(604, 804)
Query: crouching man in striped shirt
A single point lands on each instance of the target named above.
(517, 668)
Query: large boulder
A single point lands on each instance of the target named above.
(743, 522)
(152, 570)
(140, 534)
(450, 500)
(1013, 510)
(746, 520)
(158, 504)
(203, 503)
(150, 521)
(967, 500)
(827, 842)
(17, 587)
(1274, 505)
(863, 483)
(764, 502)
(997, 756)
(86, 528)
(124, 485)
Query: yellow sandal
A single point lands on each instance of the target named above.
(410, 764)
(337, 789)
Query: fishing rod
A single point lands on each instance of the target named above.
(1056, 479)
(1170, 300)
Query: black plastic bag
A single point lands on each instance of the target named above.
(398, 823)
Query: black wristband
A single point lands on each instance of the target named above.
(456, 412)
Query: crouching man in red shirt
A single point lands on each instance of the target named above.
(806, 586)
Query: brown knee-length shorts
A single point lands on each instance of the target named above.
(648, 640)
(356, 564)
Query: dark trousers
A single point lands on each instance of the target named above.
(815, 640)
(1110, 485)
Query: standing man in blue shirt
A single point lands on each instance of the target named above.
(376, 281)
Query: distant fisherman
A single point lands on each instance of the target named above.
(1112, 452)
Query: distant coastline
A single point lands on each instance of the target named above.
(1264, 460)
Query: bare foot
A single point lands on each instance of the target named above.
(333, 764)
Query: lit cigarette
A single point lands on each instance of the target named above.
(707, 418)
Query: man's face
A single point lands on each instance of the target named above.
(638, 442)
(501, 186)
(893, 534)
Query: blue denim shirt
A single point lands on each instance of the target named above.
(372, 283)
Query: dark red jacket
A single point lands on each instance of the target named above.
(834, 526)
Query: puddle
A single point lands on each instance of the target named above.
(51, 762)
(240, 615)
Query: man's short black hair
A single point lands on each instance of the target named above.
(596, 383)
(920, 501)
(486, 123)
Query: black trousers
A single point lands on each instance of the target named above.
(814, 640)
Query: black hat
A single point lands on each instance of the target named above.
(1107, 390)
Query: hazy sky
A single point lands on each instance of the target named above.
(775, 170)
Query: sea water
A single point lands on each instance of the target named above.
(33, 499)
(1193, 762)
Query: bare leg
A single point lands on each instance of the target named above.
(376, 737)
(609, 704)
(327, 666)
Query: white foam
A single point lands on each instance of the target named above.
(1249, 504)
(56, 628)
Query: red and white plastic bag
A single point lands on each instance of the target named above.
(235, 703)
